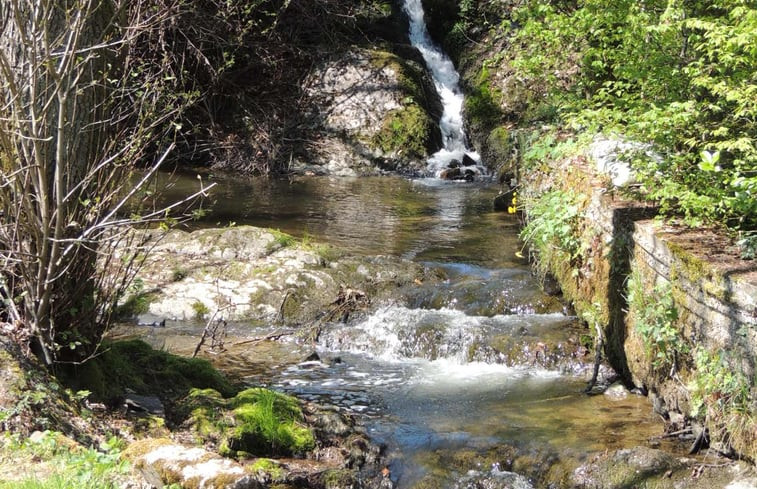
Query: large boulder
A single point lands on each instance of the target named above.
(370, 109)
(248, 273)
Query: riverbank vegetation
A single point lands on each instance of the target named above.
(676, 75)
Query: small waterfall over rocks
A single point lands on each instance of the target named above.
(455, 153)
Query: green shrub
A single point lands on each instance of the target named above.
(200, 309)
(553, 226)
(677, 75)
(720, 396)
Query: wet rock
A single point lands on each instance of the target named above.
(340, 439)
(468, 161)
(495, 479)
(458, 173)
(626, 469)
(454, 173)
(143, 404)
(482, 292)
(617, 391)
(313, 357)
(503, 200)
(153, 324)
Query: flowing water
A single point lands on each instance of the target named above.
(409, 370)
(446, 80)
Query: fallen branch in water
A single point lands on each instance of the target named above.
(673, 434)
(597, 359)
(269, 337)
(347, 301)
(216, 330)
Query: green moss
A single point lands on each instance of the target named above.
(499, 142)
(338, 478)
(695, 270)
(483, 101)
(140, 448)
(136, 365)
(407, 129)
(269, 467)
(257, 422)
(269, 422)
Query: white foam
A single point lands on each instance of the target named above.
(446, 79)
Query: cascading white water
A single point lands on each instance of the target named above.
(446, 80)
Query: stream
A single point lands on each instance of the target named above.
(426, 373)
(407, 369)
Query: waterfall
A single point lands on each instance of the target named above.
(446, 80)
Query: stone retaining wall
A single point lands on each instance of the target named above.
(713, 292)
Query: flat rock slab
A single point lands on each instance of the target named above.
(162, 462)
(249, 273)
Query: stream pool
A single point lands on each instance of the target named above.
(405, 369)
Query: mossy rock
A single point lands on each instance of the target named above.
(256, 421)
(339, 479)
(498, 148)
(135, 365)
(411, 130)
(483, 102)
(407, 129)
(269, 469)
(630, 468)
